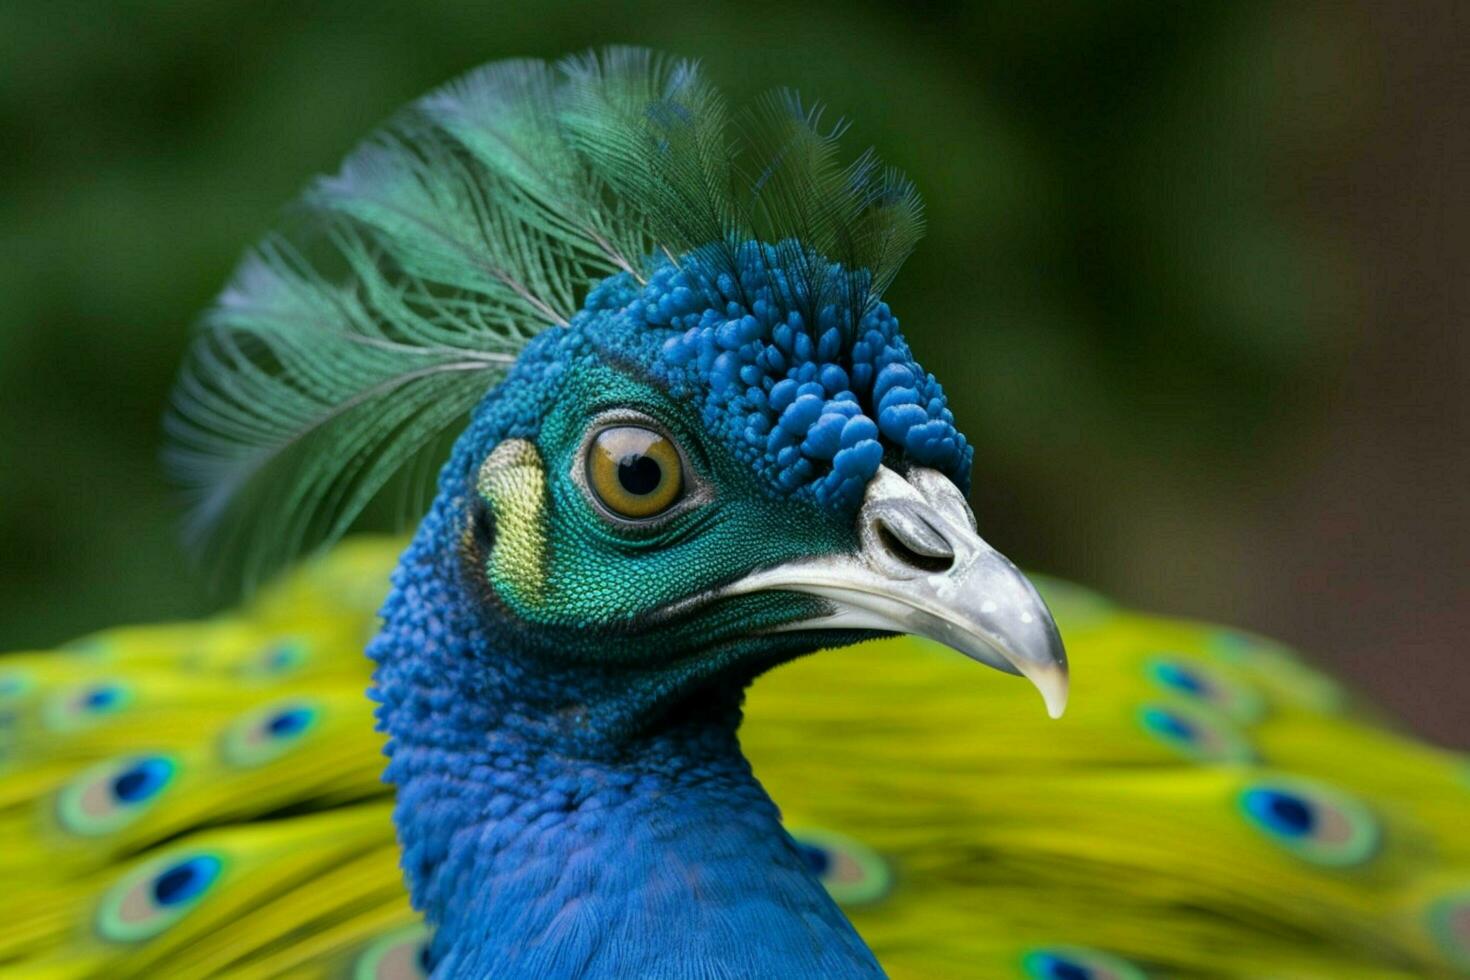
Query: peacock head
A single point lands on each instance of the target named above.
(706, 447)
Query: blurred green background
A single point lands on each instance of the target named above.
(1195, 277)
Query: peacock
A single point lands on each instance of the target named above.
(680, 441)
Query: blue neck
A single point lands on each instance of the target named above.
(535, 851)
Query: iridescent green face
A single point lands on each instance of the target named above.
(621, 513)
(623, 533)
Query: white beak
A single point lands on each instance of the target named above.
(922, 569)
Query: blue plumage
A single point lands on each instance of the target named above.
(553, 818)
(805, 402)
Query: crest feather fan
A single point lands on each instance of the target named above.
(481, 215)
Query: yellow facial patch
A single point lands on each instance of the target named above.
(513, 481)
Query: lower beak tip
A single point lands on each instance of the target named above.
(1053, 688)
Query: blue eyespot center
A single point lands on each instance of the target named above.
(1169, 724)
(266, 733)
(1055, 968)
(281, 657)
(185, 880)
(140, 781)
(1076, 963)
(1285, 813)
(101, 698)
(290, 722)
(1181, 679)
(818, 861)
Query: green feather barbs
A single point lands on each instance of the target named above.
(340, 355)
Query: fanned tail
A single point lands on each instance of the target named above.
(204, 799)
(1209, 807)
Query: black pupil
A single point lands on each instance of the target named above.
(1295, 814)
(129, 785)
(639, 475)
(167, 888)
(817, 859)
(1070, 971)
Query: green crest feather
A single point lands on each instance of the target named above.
(341, 354)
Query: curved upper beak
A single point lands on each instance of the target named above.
(921, 568)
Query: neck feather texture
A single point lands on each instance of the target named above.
(536, 853)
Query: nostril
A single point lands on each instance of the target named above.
(933, 564)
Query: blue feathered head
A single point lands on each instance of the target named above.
(663, 320)
(733, 254)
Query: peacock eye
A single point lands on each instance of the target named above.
(635, 472)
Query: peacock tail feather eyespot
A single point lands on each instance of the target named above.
(1187, 677)
(853, 873)
(84, 705)
(1196, 732)
(15, 685)
(402, 954)
(1312, 821)
(1447, 920)
(157, 895)
(107, 797)
(278, 658)
(1076, 963)
(267, 733)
